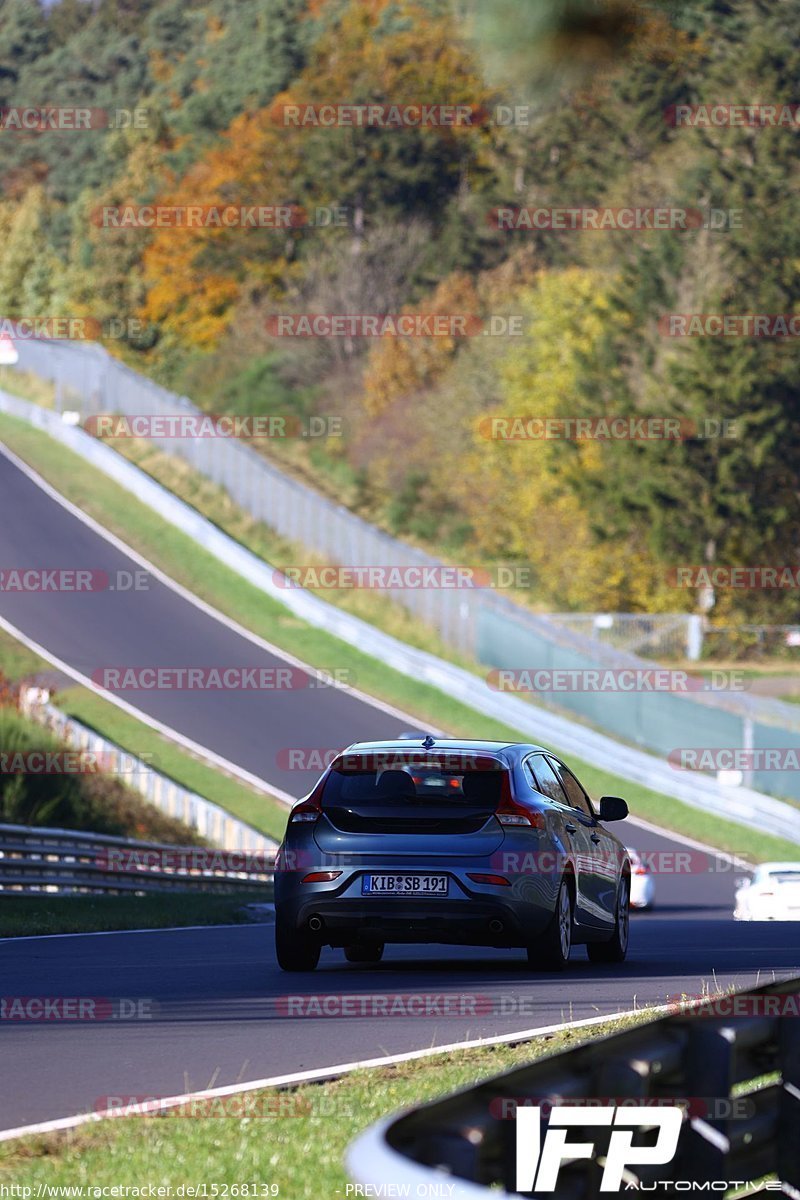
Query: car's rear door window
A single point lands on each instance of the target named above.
(546, 780)
(576, 796)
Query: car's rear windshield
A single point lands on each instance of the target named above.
(401, 781)
(785, 876)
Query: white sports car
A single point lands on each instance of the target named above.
(643, 886)
(773, 894)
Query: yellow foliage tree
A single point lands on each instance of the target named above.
(521, 495)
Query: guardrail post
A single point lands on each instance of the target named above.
(748, 743)
(694, 637)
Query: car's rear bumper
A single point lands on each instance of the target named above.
(475, 922)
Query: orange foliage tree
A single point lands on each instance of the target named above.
(372, 53)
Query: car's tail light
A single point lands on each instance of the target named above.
(640, 871)
(511, 812)
(321, 877)
(309, 809)
(499, 880)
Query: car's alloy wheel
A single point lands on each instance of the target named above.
(615, 950)
(295, 950)
(552, 950)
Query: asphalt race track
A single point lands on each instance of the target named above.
(215, 1004)
(217, 1007)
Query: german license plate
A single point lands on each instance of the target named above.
(404, 885)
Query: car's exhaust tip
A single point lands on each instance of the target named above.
(496, 926)
(315, 924)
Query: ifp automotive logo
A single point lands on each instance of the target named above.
(539, 1160)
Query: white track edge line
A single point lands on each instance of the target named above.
(323, 1073)
(158, 726)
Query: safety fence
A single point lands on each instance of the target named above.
(65, 861)
(729, 1064)
(656, 635)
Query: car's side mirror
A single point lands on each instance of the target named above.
(613, 808)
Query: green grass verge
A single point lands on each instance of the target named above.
(262, 812)
(199, 571)
(17, 661)
(301, 1151)
(33, 915)
(30, 387)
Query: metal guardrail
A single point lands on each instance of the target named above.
(210, 820)
(736, 1079)
(742, 805)
(37, 860)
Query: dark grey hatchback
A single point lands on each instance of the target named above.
(462, 842)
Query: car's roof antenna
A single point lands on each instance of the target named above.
(428, 742)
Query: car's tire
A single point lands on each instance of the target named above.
(364, 954)
(295, 950)
(616, 948)
(551, 951)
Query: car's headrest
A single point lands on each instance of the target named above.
(396, 783)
